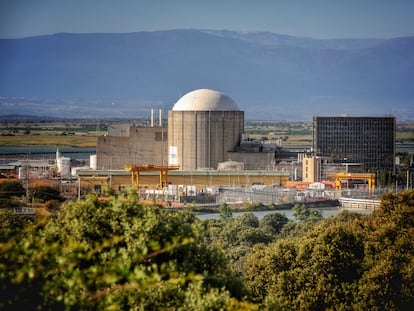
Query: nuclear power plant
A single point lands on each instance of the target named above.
(205, 128)
(202, 145)
(202, 152)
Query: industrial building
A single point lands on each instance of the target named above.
(204, 145)
(204, 139)
(203, 126)
(368, 142)
(131, 144)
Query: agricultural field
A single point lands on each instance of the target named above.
(287, 132)
(42, 139)
(405, 132)
(300, 132)
(84, 132)
(26, 132)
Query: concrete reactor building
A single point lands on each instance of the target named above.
(203, 126)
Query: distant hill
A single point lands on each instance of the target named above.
(270, 76)
(24, 118)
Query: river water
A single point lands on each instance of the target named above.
(49, 152)
(13, 153)
(326, 212)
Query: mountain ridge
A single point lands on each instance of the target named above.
(265, 73)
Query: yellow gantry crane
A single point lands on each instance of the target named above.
(136, 173)
(369, 177)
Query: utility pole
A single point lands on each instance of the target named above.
(26, 171)
(79, 187)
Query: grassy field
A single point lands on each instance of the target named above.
(77, 133)
(300, 133)
(84, 134)
(48, 139)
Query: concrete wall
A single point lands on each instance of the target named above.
(254, 160)
(119, 129)
(144, 145)
(203, 138)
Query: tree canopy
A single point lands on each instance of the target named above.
(114, 254)
(120, 254)
(349, 262)
(11, 188)
(46, 193)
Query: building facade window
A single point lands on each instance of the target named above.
(369, 141)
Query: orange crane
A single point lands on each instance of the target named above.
(369, 177)
(136, 172)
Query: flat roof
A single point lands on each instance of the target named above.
(98, 173)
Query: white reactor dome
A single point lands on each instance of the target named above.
(205, 100)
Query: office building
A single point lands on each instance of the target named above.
(367, 141)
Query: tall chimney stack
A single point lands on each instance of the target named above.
(160, 117)
(152, 117)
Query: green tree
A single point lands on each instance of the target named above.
(46, 193)
(12, 225)
(304, 213)
(315, 272)
(114, 254)
(274, 222)
(236, 237)
(388, 281)
(242, 230)
(9, 203)
(248, 219)
(225, 213)
(52, 205)
(348, 262)
(265, 263)
(383, 178)
(11, 188)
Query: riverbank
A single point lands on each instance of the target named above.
(13, 153)
(289, 213)
(242, 207)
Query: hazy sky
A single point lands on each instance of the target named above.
(311, 18)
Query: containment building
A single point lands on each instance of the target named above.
(203, 126)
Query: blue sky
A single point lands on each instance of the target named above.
(310, 18)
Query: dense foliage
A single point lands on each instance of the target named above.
(10, 189)
(349, 262)
(114, 254)
(10, 193)
(45, 193)
(119, 254)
